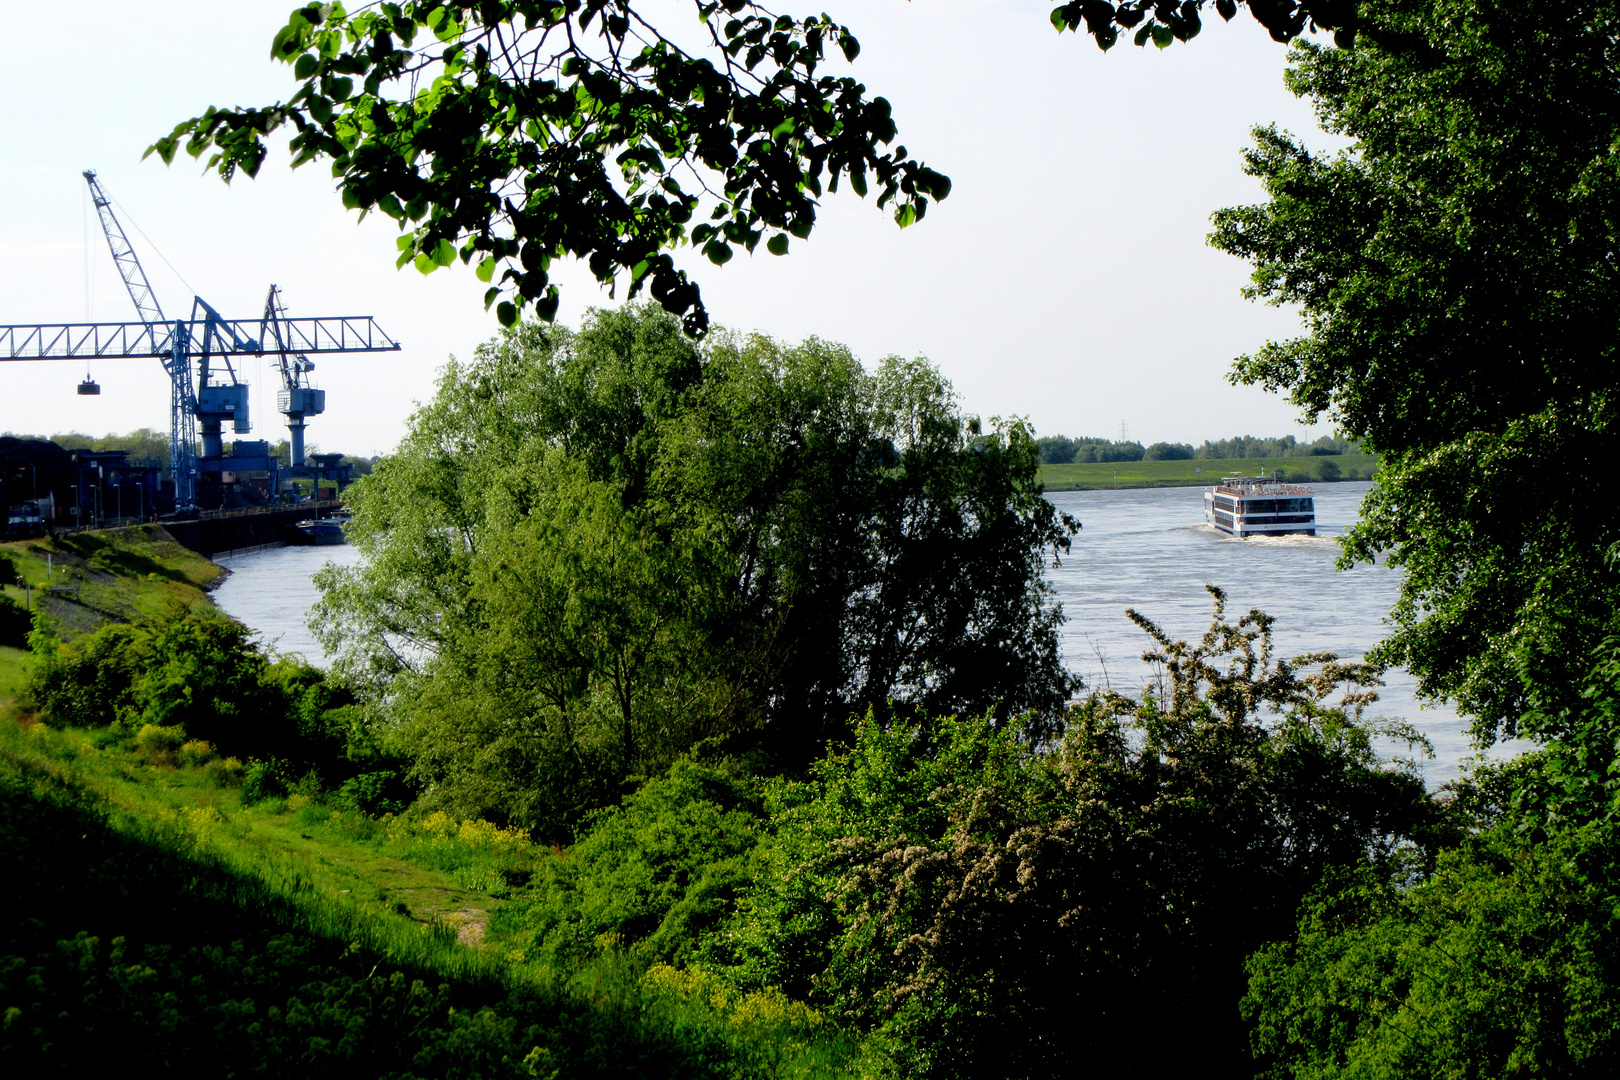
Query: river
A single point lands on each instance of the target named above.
(1144, 548)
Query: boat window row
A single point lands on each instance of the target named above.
(1277, 506)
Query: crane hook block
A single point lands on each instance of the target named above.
(89, 387)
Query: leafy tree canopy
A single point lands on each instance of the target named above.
(1455, 268)
(594, 551)
(512, 133)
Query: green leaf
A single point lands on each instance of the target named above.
(305, 66)
(905, 214)
(778, 244)
(486, 270)
(718, 251)
(506, 312)
(1163, 35)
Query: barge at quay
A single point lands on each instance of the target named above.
(1243, 506)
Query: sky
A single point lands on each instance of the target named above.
(1065, 280)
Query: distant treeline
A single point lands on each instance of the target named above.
(148, 444)
(1061, 449)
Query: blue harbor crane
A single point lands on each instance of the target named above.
(296, 399)
(197, 354)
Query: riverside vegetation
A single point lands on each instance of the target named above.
(697, 711)
(727, 670)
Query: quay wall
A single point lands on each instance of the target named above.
(213, 533)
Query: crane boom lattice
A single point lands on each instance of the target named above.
(201, 393)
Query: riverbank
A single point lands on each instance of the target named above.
(84, 580)
(1097, 476)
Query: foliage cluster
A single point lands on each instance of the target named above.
(977, 904)
(651, 877)
(574, 130)
(188, 676)
(142, 444)
(1249, 446)
(1460, 315)
(595, 551)
(1062, 450)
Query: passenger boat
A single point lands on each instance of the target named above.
(1260, 506)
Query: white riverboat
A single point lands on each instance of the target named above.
(1260, 506)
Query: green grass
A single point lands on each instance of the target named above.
(13, 674)
(87, 579)
(1196, 473)
(408, 895)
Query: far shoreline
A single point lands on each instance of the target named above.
(1200, 472)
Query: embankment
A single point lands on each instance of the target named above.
(83, 580)
(1093, 476)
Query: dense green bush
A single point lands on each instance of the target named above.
(374, 793)
(651, 877)
(1505, 962)
(263, 780)
(199, 677)
(989, 908)
(1161, 451)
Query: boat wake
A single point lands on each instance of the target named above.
(1287, 540)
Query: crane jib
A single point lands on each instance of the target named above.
(112, 341)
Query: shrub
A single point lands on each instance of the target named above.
(262, 780)
(989, 907)
(651, 876)
(224, 773)
(373, 793)
(159, 744)
(1328, 470)
(8, 571)
(1056, 449)
(194, 753)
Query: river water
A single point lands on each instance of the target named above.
(1145, 548)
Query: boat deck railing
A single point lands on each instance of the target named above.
(1248, 487)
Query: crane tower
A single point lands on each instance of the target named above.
(197, 354)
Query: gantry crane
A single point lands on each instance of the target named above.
(198, 343)
(296, 399)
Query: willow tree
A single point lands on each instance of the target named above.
(595, 551)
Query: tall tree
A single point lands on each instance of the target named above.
(1456, 272)
(595, 550)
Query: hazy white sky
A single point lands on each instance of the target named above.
(1066, 279)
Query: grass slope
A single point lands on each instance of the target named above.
(1196, 473)
(149, 917)
(84, 580)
